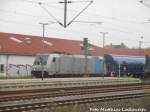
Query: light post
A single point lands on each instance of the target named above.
(103, 34)
(42, 63)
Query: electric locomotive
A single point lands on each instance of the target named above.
(63, 65)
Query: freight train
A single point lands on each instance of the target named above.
(63, 65)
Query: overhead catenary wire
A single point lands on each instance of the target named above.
(17, 22)
(110, 18)
(98, 15)
(147, 5)
(96, 22)
(80, 13)
(81, 21)
(33, 25)
(59, 22)
(77, 1)
(145, 42)
(22, 23)
(22, 14)
(46, 3)
(50, 14)
(65, 12)
(52, 28)
(36, 2)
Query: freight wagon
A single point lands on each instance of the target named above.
(125, 65)
(147, 67)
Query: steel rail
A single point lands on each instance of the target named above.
(74, 92)
(68, 88)
(43, 104)
(54, 92)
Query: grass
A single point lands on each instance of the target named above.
(143, 102)
(71, 108)
(67, 108)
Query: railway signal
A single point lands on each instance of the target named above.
(103, 34)
(85, 47)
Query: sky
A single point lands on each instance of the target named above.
(126, 21)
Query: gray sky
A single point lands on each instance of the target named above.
(124, 20)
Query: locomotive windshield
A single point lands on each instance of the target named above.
(41, 60)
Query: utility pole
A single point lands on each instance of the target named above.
(140, 44)
(103, 34)
(42, 63)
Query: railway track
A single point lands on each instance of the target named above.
(27, 100)
(31, 104)
(8, 96)
(61, 83)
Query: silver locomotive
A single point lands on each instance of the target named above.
(63, 65)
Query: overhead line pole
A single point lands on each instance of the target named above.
(42, 61)
(65, 13)
(103, 34)
(43, 25)
(140, 44)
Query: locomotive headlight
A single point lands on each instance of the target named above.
(45, 69)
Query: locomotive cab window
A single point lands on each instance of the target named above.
(41, 59)
(54, 59)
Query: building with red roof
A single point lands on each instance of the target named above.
(31, 45)
(17, 51)
(18, 44)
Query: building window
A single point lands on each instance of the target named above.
(1, 68)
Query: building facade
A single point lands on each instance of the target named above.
(16, 65)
